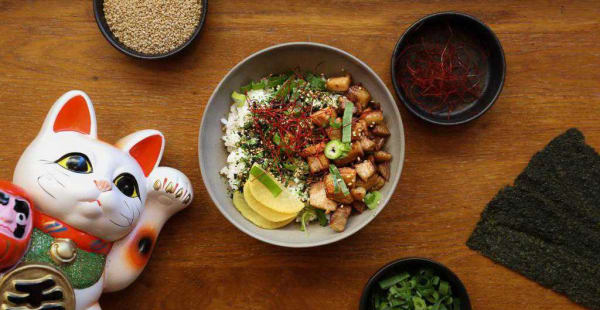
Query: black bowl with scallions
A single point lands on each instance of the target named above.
(414, 284)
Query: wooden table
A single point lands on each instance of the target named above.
(201, 260)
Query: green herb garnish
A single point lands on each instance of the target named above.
(276, 139)
(315, 82)
(334, 124)
(277, 80)
(246, 88)
(290, 167)
(258, 85)
(285, 88)
(321, 217)
(347, 122)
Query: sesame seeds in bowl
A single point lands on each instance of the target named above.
(150, 29)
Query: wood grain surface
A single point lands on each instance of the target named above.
(202, 261)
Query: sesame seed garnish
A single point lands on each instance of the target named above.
(152, 26)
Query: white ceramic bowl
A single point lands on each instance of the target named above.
(280, 58)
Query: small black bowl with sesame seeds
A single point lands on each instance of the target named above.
(150, 29)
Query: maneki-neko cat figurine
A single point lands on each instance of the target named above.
(82, 216)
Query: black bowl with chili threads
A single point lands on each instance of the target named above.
(448, 68)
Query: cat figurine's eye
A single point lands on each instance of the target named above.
(76, 162)
(127, 184)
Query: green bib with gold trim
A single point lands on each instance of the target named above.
(83, 272)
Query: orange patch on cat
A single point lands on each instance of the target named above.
(74, 116)
(140, 248)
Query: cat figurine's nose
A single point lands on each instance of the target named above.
(103, 185)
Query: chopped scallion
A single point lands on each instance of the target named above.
(372, 200)
(334, 124)
(393, 280)
(338, 180)
(347, 123)
(266, 180)
(416, 291)
(239, 99)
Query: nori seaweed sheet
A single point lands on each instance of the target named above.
(547, 226)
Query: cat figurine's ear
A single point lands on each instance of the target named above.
(73, 111)
(146, 147)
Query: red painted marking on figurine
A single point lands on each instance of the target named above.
(140, 248)
(74, 116)
(147, 152)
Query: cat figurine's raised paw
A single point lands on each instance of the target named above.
(171, 187)
(99, 207)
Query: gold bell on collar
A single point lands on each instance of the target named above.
(63, 251)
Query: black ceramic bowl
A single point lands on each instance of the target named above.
(105, 29)
(479, 40)
(413, 264)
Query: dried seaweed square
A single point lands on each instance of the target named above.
(546, 227)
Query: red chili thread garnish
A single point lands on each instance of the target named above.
(291, 122)
(441, 76)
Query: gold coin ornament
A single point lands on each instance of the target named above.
(56, 259)
(36, 286)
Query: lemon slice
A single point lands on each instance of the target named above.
(282, 202)
(247, 212)
(263, 211)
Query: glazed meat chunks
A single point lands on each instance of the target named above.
(363, 167)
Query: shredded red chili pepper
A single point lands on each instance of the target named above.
(288, 120)
(438, 75)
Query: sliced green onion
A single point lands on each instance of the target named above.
(372, 200)
(334, 124)
(419, 303)
(347, 122)
(416, 292)
(334, 149)
(238, 98)
(434, 297)
(444, 288)
(266, 180)
(423, 282)
(337, 179)
(393, 280)
(456, 304)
